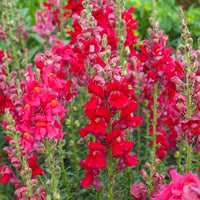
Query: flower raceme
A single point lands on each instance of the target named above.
(109, 100)
(40, 121)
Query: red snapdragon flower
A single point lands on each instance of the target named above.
(91, 176)
(96, 155)
(36, 170)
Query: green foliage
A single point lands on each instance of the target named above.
(167, 15)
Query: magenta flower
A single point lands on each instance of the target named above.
(181, 187)
(139, 191)
(8, 176)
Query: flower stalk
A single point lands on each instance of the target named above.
(153, 153)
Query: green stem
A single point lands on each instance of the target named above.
(41, 180)
(147, 131)
(61, 21)
(188, 145)
(98, 195)
(30, 188)
(63, 169)
(179, 157)
(110, 168)
(110, 174)
(153, 155)
(189, 149)
(13, 45)
(129, 180)
(17, 147)
(74, 141)
(138, 148)
(50, 158)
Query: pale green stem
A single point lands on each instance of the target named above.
(138, 148)
(147, 131)
(154, 134)
(74, 141)
(63, 169)
(110, 168)
(179, 157)
(52, 167)
(12, 42)
(61, 21)
(98, 195)
(30, 188)
(188, 145)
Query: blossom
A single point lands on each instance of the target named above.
(181, 187)
(96, 155)
(91, 176)
(8, 176)
(36, 170)
(139, 191)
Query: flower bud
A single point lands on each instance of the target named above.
(71, 143)
(77, 123)
(181, 15)
(48, 197)
(104, 41)
(193, 58)
(56, 196)
(57, 170)
(48, 183)
(147, 165)
(188, 47)
(127, 51)
(74, 108)
(144, 174)
(80, 142)
(181, 48)
(68, 122)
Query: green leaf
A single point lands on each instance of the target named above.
(36, 38)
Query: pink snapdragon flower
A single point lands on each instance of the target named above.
(185, 187)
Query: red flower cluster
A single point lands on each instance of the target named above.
(107, 100)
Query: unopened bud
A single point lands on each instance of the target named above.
(127, 51)
(192, 58)
(74, 108)
(157, 161)
(194, 67)
(48, 183)
(143, 174)
(71, 143)
(151, 20)
(80, 142)
(156, 26)
(57, 170)
(147, 165)
(190, 41)
(48, 197)
(68, 122)
(104, 41)
(188, 48)
(181, 49)
(84, 3)
(183, 37)
(56, 196)
(77, 123)
(181, 15)
(198, 54)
